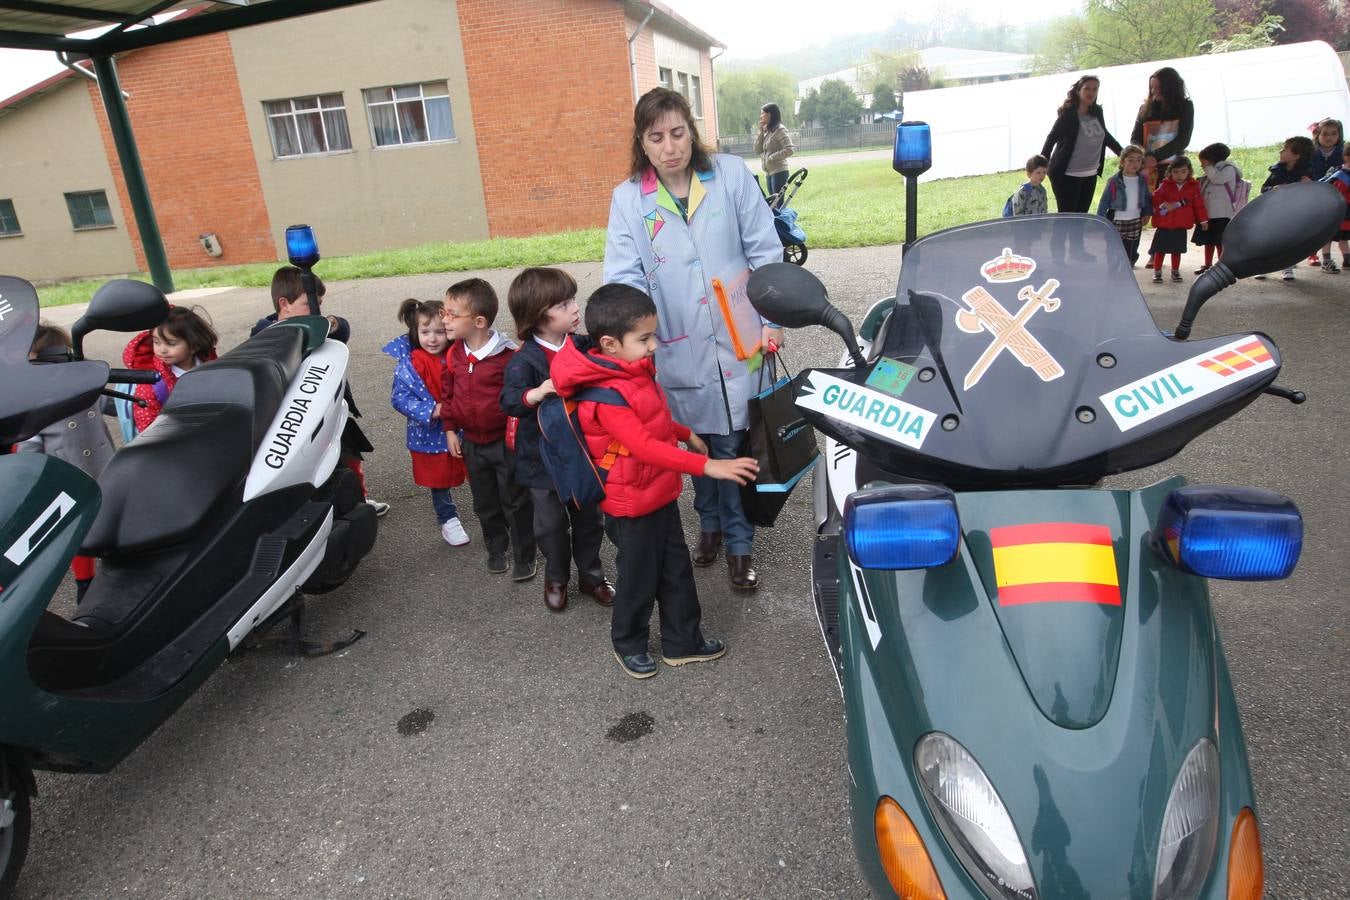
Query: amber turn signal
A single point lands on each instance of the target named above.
(1246, 874)
(904, 857)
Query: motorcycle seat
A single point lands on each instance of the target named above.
(161, 486)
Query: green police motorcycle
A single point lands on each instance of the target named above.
(1037, 700)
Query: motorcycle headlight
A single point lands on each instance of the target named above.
(973, 818)
(1190, 826)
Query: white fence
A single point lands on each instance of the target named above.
(1248, 98)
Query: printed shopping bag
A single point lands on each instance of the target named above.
(781, 441)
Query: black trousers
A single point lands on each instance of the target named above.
(503, 507)
(654, 567)
(567, 535)
(1073, 194)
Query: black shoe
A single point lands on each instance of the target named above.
(709, 651)
(523, 571)
(497, 563)
(639, 665)
(1176, 276)
(1157, 276)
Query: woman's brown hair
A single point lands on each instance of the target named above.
(533, 292)
(412, 311)
(1071, 101)
(650, 107)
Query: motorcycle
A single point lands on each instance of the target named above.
(1037, 699)
(210, 527)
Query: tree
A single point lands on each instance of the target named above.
(883, 98)
(1258, 34)
(809, 112)
(741, 94)
(838, 105)
(1308, 20)
(1118, 32)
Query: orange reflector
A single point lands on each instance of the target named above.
(904, 856)
(1246, 874)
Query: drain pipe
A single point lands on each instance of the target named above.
(713, 71)
(632, 56)
(63, 57)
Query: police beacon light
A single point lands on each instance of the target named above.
(301, 248)
(913, 149)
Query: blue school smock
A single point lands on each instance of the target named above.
(651, 246)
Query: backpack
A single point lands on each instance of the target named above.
(578, 479)
(1008, 206)
(1239, 192)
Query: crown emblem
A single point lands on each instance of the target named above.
(1008, 267)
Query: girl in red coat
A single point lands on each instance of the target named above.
(178, 344)
(420, 367)
(1178, 205)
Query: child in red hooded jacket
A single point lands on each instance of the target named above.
(1178, 205)
(173, 347)
(643, 486)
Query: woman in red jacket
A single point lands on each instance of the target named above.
(1178, 205)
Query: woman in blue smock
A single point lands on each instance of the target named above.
(687, 227)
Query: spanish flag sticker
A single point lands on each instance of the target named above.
(1055, 562)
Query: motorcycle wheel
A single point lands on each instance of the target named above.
(795, 254)
(16, 811)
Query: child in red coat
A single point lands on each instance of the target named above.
(172, 348)
(1341, 180)
(1178, 205)
(644, 484)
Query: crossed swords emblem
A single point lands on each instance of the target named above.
(984, 313)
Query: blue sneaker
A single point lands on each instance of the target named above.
(709, 651)
(639, 665)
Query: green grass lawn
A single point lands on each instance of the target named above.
(857, 204)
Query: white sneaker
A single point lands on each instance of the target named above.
(454, 533)
(1287, 275)
(380, 508)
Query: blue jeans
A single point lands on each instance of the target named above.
(444, 504)
(718, 503)
(776, 181)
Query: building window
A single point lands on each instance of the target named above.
(306, 125)
(684, 84)
(666, 78)
(9, 222)
(696, 96)
(89, 209)
(410, 114)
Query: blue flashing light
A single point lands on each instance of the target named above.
(913, 153)
(907, 526)
(1234, 533)
(301, 247)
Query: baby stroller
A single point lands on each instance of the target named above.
(785, 218)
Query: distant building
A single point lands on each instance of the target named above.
(953, 65)
(387, 124)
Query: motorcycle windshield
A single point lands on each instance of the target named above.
(1021, 352)
(36, 394)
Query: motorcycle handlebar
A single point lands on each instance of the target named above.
(133, 376)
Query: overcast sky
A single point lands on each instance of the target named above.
(750, 30)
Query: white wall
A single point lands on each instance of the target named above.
(1249, 98)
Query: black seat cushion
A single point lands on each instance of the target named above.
(158, 488)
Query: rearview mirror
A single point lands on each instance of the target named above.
(1273, 232)
(789, 295)
(120, 305)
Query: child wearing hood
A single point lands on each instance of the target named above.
(1219, 188)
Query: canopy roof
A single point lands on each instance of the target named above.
(130, 24)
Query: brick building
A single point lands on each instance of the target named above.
(388, 124)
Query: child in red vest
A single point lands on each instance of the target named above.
(644, 484)
(1178, 205)
(474, 371)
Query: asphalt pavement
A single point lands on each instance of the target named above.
(474, 744)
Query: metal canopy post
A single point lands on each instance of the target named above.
(137, 191)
